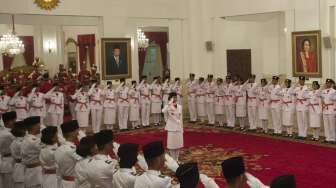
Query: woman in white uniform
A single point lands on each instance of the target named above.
(240, 91)
(263, 105)
(200, 99)
(49, 142)
(288, 107)
(133, 98)
(110, 106)
(219, 102)
(315, 109)
(82, 107)
(174, 126)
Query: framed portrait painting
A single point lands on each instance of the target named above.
(306, 54)
(116, 58)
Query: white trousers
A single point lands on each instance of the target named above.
(145, 112)
(230, 115)
(122, 117)
(56, 119)
(252, 116)
(329, 127)
(72, 110)
(276, 120)
(210, 108)
(192, 110)
(156, 118)
(96, 119)
(316, 133)
(302, 121)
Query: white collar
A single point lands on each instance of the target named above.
(154, 172)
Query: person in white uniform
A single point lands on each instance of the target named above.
(20, 103)
(288, 107)
(200, 98)
(37, 103)
(301, 108)
(134, 98)
(110, 106)
(82, 108)
(219, 102)
(65, 155)
(328, 108)
(19, 132)
(96, 106)
(86, 149)
(49, 139)
(123, 104)
(56, 106)
(4, 101)
(240, 92)
(210, 100)
(102, 167)
(191, 90)
(144, 89)
(263, 105)
(152, 178)
(177, 88)
(315, 109)
(31, 148)
(156, 101)
(6, 138)
(174, 126)
(275, 102)
(125, 176)
(229, 102)
(166, 89)
(252, 103)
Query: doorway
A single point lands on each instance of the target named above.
(239, 63)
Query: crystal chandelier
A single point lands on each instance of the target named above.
(10, 44)
(142, 39)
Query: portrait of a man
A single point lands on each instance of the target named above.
(307, 53)
(116, 61)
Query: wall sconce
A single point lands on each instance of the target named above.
(50, 46)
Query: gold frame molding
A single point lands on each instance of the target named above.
(316, 33)
(103, 57)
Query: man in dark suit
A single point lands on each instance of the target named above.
(116, 63)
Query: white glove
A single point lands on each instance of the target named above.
(115, 148)
(171, 163)
(171, 101)
(254, 182)
(81, 134)
(142, 162)
(208, 182)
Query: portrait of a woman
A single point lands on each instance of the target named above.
(306, 46)
(307, 58)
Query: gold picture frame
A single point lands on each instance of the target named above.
(116, 66)
(307, 54)
(47, 5)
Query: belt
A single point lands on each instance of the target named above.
(123, 99)
(326, 106)
(33, 165)
(251, 98)
(146, 96)
(37, 107)
(68, 178)
(49, 171)
(312, 105)
(57, 105)
(286, 102)
(301, 100)
(274, 101)
(23, 108)
(3, 110)
(82, 104)
(109, 99)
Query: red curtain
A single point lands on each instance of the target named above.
(28, 55)
(86, 45)
(160, 38)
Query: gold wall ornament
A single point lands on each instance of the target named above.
(47, 4)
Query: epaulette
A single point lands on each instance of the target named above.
(108, 162)
(162, 176)
(136, 173)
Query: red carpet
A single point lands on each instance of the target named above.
(314, 166)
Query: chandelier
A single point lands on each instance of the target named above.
(10, 44)
(142, 39)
